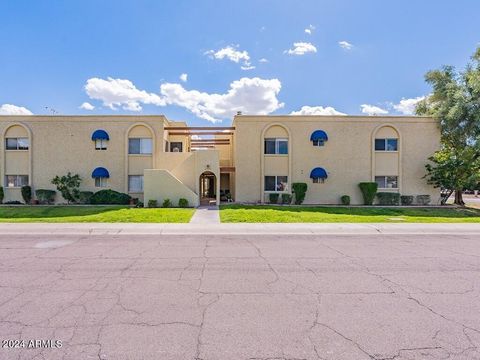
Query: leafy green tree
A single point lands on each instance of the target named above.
(455, 102)
(68, 185)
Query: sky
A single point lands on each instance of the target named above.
(201, 61)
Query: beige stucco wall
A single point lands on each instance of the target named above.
(348, 155)
(162, 184)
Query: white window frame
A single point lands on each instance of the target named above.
(317, 180)
(100, 144)
(385, 181)
(16, 140)
(276, 184)
(319, 142)
(142, 140)
(16, 182)
(140, 190)
(385, 140)
(277, 145)
(101, 182)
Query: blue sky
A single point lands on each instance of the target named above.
(126, 57)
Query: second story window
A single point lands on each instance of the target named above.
(176, 147)
(140, 146)
(386, 144)
(100, 144)
(17, 143)
(276, 146)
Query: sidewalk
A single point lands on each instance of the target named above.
(206, 215)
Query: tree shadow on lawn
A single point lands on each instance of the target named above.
(54, 211)
(452, 212)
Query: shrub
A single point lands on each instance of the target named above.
(45, 196)
(68, 185)
(345, 199)
(182, 202)
(85, 197)
(273, 198)
(406, 200)
(369, 189)
(388, 198)
(27, 194)
(166, 203)
(2, 194)
(13, 202)
(286, 198)
(423, 199)
(152, 203)
(109, 197)
(300, 190)
(139, 204)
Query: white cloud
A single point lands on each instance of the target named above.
(196, 137)
(9, 109)
(184, 77)
(87, 106)
(345, 45)
(309, 29)
(263, 60)
(116, 93)
(317, 110)
(407, 106)
(373, 110)
(231, 53)
(301, 48)
(249, 95)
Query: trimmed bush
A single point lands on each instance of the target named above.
(84, 197)
(406, 200)
(139, 204)
(152, 203)
(109, 197)
(182, 202)
(300, 190)
(345, 199)
(286, 198)
(167, 203)
(388, 198)
(273, 198)
(423, 200)
(13, 202)
(26, 194)
(45, 196)
(369, 189)
(2, 194)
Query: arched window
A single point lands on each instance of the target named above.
(100, 174)
(318, 138)
(100, 137)
(318, 175)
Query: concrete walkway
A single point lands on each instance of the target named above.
(206, 215)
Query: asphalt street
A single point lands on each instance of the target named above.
(115, 295)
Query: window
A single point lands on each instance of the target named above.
(100, 144)
(140, 146)
(100, 182)
(276, 146)
(318, 180)
(387, 182)
(319, 142)
(135, 183)
(16, 180)
(17, 143)
(386, 144)
(276, 183)
(176, 147)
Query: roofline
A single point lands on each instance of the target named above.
(337, 116)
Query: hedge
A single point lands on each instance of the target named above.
(388, 198)
(273, 198)
(369, 189)
(109, 197)
(45, 196)
(300, 190)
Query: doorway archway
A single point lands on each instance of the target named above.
(208, 187)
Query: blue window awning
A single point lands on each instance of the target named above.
(318, 173)
(319, 135)
(100, 172)
(100, 135)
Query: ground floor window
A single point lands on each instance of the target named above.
(317, 180)
(176, 146)
(276, 183)
(100, 182)
(387, 182)
(135, 183)
(16, 180)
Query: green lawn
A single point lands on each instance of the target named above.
(104, 214)
(294, 214)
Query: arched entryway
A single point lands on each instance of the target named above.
(208, 188)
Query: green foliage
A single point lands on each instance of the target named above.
(423, 199)
(300, 190)
(45, 196)
(85, 197)
(388, 198)
(152, 203)
(108, 196)
(182, 203)
(286, 198)
(406, 200)
(139, 204)
(2, 194)
(68, 185)
(26, 194)
(455, 102)
(345, 199)
(167, 203)
(273, 198)
(369, 189)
